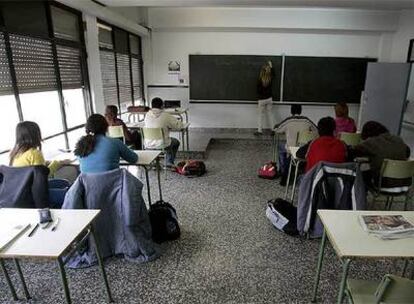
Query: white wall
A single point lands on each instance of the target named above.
(177, 33)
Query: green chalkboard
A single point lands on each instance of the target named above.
(324, 79)
(230, 77)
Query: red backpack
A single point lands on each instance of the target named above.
(191, 168)
(268, 171)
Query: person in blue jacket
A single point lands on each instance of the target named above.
(98, 153)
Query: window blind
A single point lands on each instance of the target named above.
(70, 67)
(33, 62)
(109, 77)
(136, 78)
(124, 79)
(6, 86)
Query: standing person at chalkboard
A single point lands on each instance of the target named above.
(264, 93)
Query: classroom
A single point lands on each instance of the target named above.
(207, 151)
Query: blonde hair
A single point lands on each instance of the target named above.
(341, 109)
(266, 75)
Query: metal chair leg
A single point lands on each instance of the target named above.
(148, 185)
(159, 177)
(288, 178)
(342, 286)
(19, 271)
(8, 281)
(294, 182)
(319, 267)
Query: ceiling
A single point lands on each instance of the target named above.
(361, 4)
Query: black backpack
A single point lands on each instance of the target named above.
(283, 215)
(164, 222)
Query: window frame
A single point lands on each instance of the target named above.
(55, 42)
(131, 55)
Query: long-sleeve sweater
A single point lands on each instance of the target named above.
(34, 157)
(106, 155)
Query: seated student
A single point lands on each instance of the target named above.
(157, 118)
(27, 150)
(291, 126)
(325, 148)
(377, 145)
(343, 122)
(131, 138)
(98, 153)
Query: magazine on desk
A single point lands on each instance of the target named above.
(387, 226)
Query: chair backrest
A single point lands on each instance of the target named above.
(304, 137)
(116, 132)
(152, 134)
(350, 139)
(398, 169)
(394, 289)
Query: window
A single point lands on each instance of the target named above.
(121, 67)
(42, 70)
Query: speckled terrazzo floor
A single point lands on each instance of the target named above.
(228, 252)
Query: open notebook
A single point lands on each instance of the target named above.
(10, 232)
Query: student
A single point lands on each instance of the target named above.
(264, 93)
(27, 150)
(98, 153)
(291, 126)
(378, 144)
(343, 122)
(157, 118)
(131, 138)
(325, 148)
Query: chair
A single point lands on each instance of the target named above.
(155, 134)
(116, 132)
(57, 191)
(395, 180)
(350, 139)
(391, 289)
(302, 138)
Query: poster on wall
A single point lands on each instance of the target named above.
(174, 68)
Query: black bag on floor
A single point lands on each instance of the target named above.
(164, 222)
(283, 215)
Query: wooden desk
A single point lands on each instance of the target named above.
(48, 244)
(350, 241)
(179, 112)
(173, 111)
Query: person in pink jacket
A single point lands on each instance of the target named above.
(344, 123)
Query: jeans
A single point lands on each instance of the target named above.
(265, 107)
(171, 151)
(284, 160)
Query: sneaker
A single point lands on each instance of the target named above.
(257, 133)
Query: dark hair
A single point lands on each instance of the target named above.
(111, 109)
(372, 129)
(28, 136)
(326, 126)
(341, 109)
(95, 125)
(296, 109)
(157, 103)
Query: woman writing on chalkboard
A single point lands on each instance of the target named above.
(264, 92)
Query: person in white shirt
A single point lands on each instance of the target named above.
(291, 126)
(158, 118)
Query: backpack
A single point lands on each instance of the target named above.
(164, 222)
(268, 171)
(191, 168)
(283, 215)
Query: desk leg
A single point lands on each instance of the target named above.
(345, 268)
(187, 140)
(19, 271)
(64, 280)
(159, 178)
(186, 116)
(319, 267)
(9, 282)
(294, 181)
(102, 267)
(183, 139)
(148, 185)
